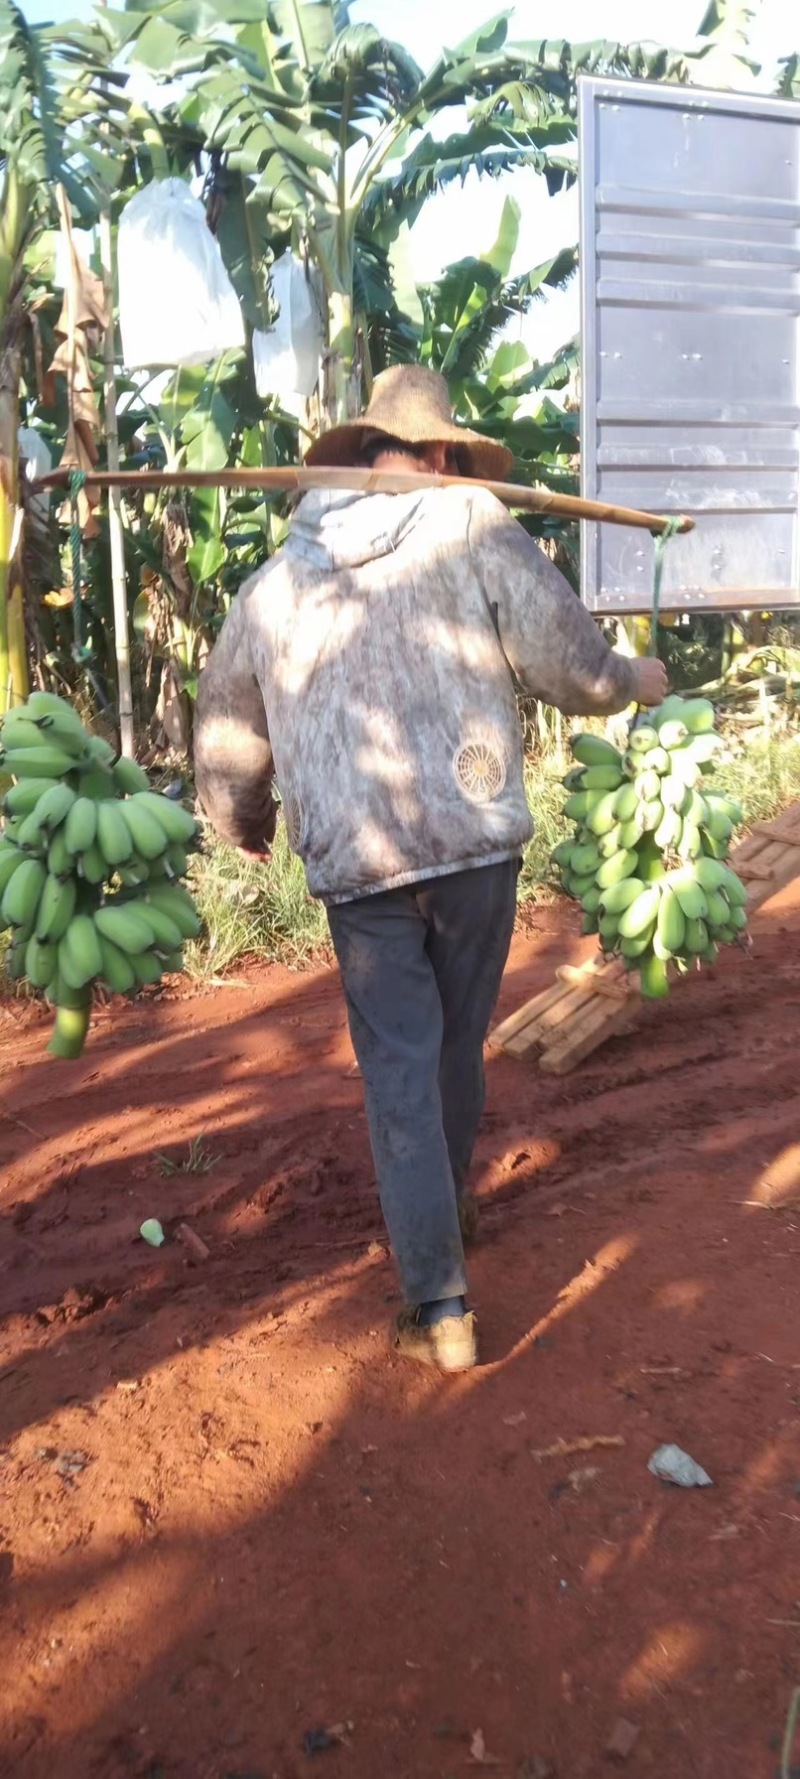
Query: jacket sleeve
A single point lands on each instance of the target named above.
(554, 647)
(232, 755)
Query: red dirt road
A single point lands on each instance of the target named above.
(228, 1517)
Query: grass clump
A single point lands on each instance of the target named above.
(252, 910)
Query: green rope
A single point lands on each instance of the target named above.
(670, 527)
(77, 481)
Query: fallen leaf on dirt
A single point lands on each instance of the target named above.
(557, 1211)
(623, 1740)
(568, 1448)
(478, 1754)
(515, 1420)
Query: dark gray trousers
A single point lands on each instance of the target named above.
(421, 969)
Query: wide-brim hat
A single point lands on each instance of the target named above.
(412, 404)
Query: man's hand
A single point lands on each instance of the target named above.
(650, 683)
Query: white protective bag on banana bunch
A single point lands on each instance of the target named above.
(176, 302)
(286, 357)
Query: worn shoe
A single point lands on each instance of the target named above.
(451, 1344)
(468, 1217)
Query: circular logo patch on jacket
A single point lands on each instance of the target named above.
(480, 771)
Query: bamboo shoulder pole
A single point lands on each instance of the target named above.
(369, 481)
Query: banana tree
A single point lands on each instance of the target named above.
(57, 110)
(312, 113)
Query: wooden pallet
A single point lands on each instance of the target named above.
(598, 1000)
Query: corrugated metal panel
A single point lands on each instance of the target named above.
(690, 268)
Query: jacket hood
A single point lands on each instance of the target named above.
(333, 530)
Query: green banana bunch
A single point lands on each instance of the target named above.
(647, 859)
(90, 866)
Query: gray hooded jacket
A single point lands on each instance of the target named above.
(367, 669)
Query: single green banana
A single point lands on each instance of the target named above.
(697, 937)
(10, 860)
(147, 968)
(735, 890)
(600, 816)
(19, 731)
(613, 870)
(22, 893)
(698, 715)
(594, 750)
(69, 1031)
(117, 971)
(642, 914)
(92, 865)
(642, 738)
(719, 909)
(178, 904)
(668, 833)
(653, 980)
(168, 935)
(670, 922)
(620, 896)
(652, 815)
(602, 778)
(56, 907)
(59, 859)
(126, 925)
(21, 799)
(147, 833)
(671, 735)
(631, 832)
(129, 776)
(47, 761)
(79, 959)
(689, 893)
(81, 825)
(40, 961)
(113, 834)
(709, 874)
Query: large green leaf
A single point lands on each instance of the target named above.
(488, 148)
(501, 253)
(207, 553)
(365, 75)
(209, 426)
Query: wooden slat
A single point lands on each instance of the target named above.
(524, 1016)
(580, 1044)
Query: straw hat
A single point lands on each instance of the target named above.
(413, 404)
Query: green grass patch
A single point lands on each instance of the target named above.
(253, 911)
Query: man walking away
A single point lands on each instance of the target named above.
(368, 670)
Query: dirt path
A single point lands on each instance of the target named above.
(227, 1518)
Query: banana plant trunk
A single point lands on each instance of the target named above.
(341, 392)
(14, 684)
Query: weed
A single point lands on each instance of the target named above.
(198, 1161)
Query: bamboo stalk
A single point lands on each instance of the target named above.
(368, 481)
(115, 529)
